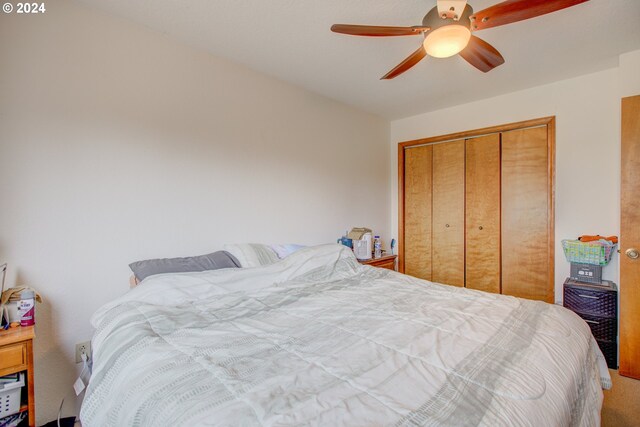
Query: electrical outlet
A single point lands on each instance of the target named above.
(83, 347)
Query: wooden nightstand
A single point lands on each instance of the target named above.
(387, 261)
(16, 355)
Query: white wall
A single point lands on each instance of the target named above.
(629, 76)
(118, 144)
(587, 111)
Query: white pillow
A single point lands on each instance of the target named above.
(252, 254)
(284, 251)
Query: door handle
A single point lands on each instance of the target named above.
(632, 253)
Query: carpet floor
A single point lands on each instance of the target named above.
(621, 406)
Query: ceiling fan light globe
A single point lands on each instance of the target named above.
(447, 41)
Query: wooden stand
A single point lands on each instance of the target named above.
(387, 261)
(16, 355)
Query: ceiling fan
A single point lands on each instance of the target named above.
(447, 30)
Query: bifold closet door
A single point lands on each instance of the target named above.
(482, 196)
(448, 213)
(417, 211)
(526, 263)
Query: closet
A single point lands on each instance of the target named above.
(476, 209)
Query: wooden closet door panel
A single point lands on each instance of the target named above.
(417, 211)
(482, 195)
(525, 215)
(448, 213)
(630, 240)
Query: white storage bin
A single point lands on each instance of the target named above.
(10, 397)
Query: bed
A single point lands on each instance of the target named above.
(318, 339)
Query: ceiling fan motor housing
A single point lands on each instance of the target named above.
(434, 20)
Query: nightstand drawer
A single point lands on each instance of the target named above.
(602, 328)
(583, 299)
(610, 352)
(391, 264)
(13, 358)
(388, 262)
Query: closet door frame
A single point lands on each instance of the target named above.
(549, 122)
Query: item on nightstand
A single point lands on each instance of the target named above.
(344, 240)
(594, 252)
(377, 247)
(27, 308)
(362, 247)
(10, 299)
(362, 242)
(586, 238)
(586, 273)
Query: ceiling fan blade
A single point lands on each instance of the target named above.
(412, 60)
(377, 31)
(481, 55)
(517, 10)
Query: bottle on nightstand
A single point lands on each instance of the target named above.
(377, 247)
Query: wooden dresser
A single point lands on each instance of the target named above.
(16, 355)
(387, 261)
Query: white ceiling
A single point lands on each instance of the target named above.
(290, 39)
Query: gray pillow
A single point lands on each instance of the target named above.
(213, 261)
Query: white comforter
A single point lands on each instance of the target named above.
(318, 339)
